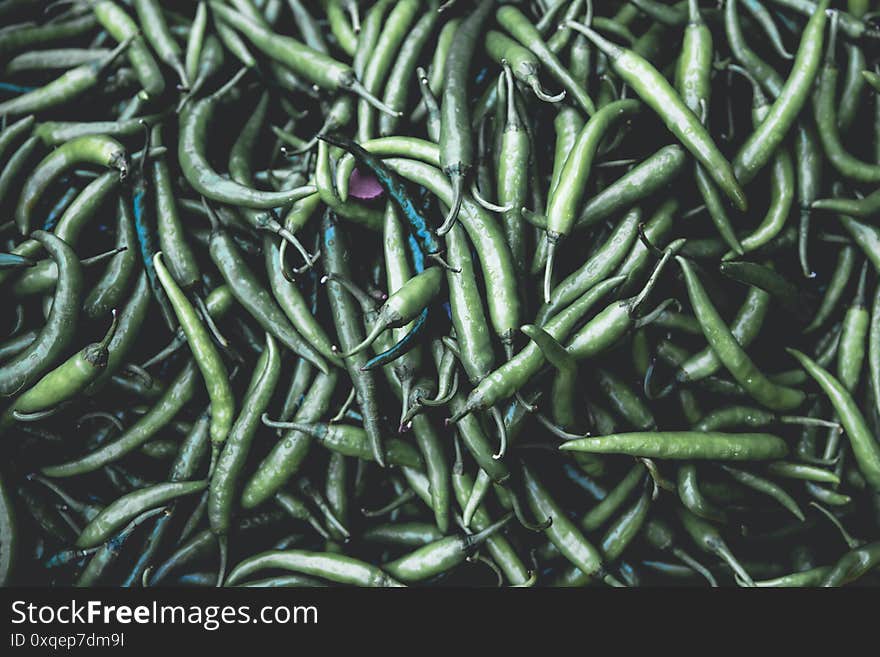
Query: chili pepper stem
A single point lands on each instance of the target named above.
(359, 89)
(502, 432)
(535, 84)
(473, 541)
(224, 549)
(457, 179)
(552, 242)
(688, 560)
(378, 328)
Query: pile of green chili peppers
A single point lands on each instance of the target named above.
(465, 293)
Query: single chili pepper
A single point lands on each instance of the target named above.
(519, 26)
(807, 578)
(68, 379)
(410, 534)
(729, 351)
(456, 147)
(340, 27)
(825, 111)
(684, 445)
(639, 183)
(695, 62)
(336, 492)
(567, 195)
(865, 236)
(377, 67)
(564, 385)
(853, 87)
(563, 533)
(802, 471)
(613, 500)
(352, 441)
(626, 528)
(764, 141)
(852, 26)
(203, 542)
(111, 518)
(57, 333)
(436, 78)
(64, 89)
(349, 330)
(402, 306)
(311, 64)
(254, 298)
(11, 134)
(198, 172)
(843, 268)
(285, 458)
(294, 305)
(440, 556)
(33, 36)
(157, 34)
(523, 63)
(656, 92)
(765, 277)
(859, 208)
(368, 34)
(195, 42)
(205, 354)
(96, 149)
(16, 165)
(224, 477)
(172, 241)
(122, 27)
(852, 565)
(106, 554)
(738, 416)
(210, 61)
(710, 540)
(767, 487)
(854, 331)
(335, 567)
(865, 448)
(872, 78)
(178, 393)
(765, 20)
(762, 72)
(598, 267)
(108, 292)
(512, 177)
(624, 402)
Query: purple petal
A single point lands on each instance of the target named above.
(364, 185)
